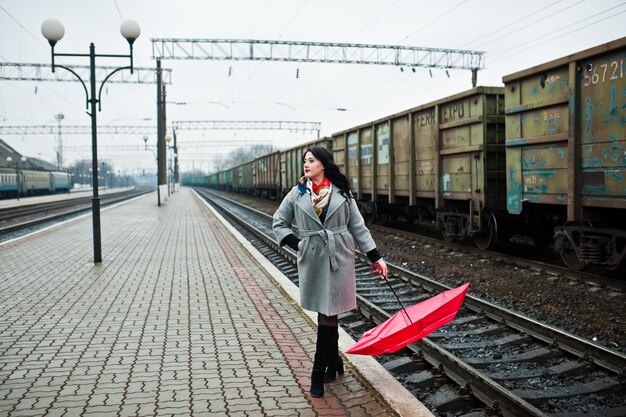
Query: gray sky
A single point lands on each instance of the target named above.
(515, 34)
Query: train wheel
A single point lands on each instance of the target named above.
(568, 253)
(570, 259)
(447, 237)
(487, 238)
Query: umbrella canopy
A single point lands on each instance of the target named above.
(410, 325)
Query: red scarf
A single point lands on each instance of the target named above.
(325, 183)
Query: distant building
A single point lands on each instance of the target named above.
(30, 163)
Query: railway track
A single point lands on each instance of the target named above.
(411, 238)
(577, 276)
(18, 221)
(489, 361)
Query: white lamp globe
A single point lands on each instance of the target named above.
(130, 30)
(52, 30)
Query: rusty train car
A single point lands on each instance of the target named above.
(566, 151)
(544, 154)
(442, 161)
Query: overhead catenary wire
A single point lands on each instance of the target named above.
(509, 24)
(438, 18)
(119, 12)
(560, 36)
(24, 29)
(514, 31)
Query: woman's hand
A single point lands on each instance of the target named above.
(381, 268)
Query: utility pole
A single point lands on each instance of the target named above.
(176, 179)
(161, 150)
(59, 118)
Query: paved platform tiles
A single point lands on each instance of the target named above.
(177, 320)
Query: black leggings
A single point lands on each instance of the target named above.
(327, 320)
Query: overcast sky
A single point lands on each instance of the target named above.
(514, 34)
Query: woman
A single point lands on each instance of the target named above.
(328, 223)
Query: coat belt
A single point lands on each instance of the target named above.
(328, 236)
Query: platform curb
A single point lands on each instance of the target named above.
(397, 397)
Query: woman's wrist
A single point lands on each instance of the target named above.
(374, 255)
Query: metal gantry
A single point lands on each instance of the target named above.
(75, 130)
(294, 126)
(187, 145)
(15, 71)
(322, 52)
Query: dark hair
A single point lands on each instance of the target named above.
(331, 170)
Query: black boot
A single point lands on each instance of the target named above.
(335, 363)
(324, 333)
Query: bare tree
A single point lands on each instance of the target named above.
(241, 155)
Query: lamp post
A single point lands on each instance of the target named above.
(168, 139)
(17, 177)
(53, 31)
(156, 157)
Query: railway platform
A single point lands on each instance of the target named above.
(183, 317)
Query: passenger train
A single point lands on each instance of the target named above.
(32, 182)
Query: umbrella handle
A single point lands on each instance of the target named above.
(399, 302)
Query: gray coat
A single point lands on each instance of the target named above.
(326, 256)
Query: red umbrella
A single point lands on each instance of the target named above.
(411, 324)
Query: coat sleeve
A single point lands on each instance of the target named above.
(356, 225)
(281, 224)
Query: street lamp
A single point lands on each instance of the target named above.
(53, 31)
(145, 141)
(17, 177)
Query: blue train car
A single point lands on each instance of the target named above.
(60, 182)
(8, 182)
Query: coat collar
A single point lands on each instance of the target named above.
(336, 200)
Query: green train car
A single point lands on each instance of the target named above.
(265, 174)
(442, 161)
(566, 152)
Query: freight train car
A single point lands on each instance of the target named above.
(291, 163)
(265, 171)
(213, 180)
(442, 161)
(237, 179)
(566, 152)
